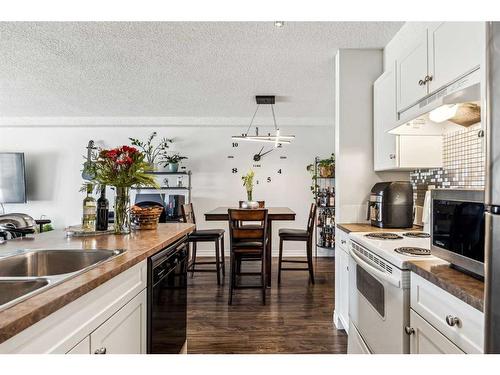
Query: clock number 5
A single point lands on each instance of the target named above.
(269, 179)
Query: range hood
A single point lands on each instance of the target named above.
(452, 108)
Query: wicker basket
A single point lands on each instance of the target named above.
(146, 218)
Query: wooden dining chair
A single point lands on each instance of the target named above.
(205, 235)
(306, 236)
(247, 242)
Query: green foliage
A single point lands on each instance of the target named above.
(150, 150)
(173, 159)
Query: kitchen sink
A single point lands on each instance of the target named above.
(52, 262)
(11, 289)
(33, 271)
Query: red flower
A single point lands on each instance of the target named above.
(129, 150)
(112, 154)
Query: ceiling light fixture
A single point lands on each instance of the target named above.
(277, 139)
(279, 24)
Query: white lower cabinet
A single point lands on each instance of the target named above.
(124, 332)
(425, 339)
(112, 317)
(341, 314)
(83, 347)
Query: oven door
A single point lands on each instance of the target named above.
(378, 302)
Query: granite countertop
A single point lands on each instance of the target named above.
(459, 284)
(139, 245)
(365, 227)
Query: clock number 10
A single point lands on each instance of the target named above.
(235, 144)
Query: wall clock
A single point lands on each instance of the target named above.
(267, 162)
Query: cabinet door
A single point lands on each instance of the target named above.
(425, 339)
(411, 70)
(384, 119)
(83, 347)
(455, 50)
(342, 292)
(124, 332)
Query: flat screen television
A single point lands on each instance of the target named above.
(12, 178)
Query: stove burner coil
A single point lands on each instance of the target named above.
(418, 251)
(384, 236)
(416, 235)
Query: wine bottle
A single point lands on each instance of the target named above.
(102, 211)
(89, 210)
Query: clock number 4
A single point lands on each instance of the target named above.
(279, 171)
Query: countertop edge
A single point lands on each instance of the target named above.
(12, 327)
(453, 289)
(367, 227)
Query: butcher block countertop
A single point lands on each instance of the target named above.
(463, 286)
(364, 227)
(139, 245)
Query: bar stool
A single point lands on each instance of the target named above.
(205, 235)
(248, 242)
(298, 235)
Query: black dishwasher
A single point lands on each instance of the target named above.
(167, 299)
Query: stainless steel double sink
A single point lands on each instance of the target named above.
(32, 271)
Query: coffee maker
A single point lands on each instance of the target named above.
(391, 205)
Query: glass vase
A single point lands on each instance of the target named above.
(122, 210)
(249, 195)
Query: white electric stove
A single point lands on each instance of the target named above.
(379, 289)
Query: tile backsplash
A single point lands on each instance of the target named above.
(463, 165)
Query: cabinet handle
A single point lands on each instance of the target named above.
(421, 82)
(392, 156)
(452, 320)
(100, 351)
(409, 331)
(342, 242)
(428, 79)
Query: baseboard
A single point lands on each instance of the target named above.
(338, 322)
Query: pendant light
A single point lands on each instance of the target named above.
(277, 138)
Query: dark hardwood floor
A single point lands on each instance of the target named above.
(296, 319)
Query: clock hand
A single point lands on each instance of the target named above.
(260, 151)
(267, 152)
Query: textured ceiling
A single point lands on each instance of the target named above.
(175, 69)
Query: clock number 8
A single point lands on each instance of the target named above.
(234, 170)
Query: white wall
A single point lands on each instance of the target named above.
(356, 70)
(54, 157)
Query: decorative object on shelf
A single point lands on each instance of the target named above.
(123, 167)
(146, 218)
(171, 162)
(248, 184)
(277, 138)
(323, 189)
(88, 171)
(153, 153)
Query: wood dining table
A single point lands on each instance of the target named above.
(273, 214)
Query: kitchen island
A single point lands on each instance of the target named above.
(91, 285)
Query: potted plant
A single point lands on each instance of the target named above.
(152, 152)
(171, 162)
(122, 168)
(327, 167)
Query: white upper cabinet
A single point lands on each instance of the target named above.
(456, 50)
(412, 72)
(384, 119)
(394, 152)
(440, 54)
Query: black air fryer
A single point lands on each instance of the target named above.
(391, 205)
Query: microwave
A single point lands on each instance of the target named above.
(457, 228)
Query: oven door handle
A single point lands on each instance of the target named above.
(373, 271)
